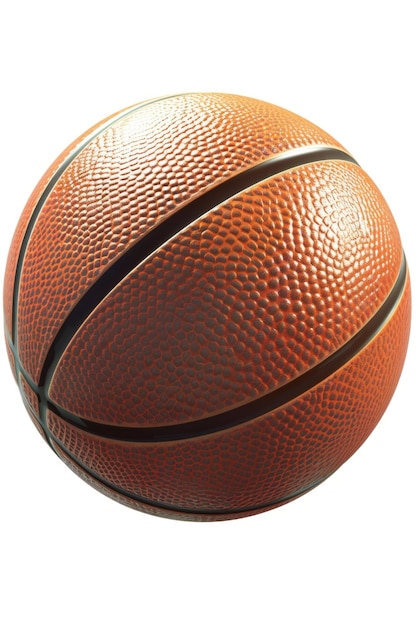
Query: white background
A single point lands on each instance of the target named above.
(346, 552)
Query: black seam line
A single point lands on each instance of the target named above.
(260, 406)
(54, 179)
(185, 510)
(18, 366)
(170, 227)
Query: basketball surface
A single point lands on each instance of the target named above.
(207, 306)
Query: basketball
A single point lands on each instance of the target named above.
(207, 306)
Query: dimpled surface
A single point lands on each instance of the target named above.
(243, 301)
(22, 226)
(290, 449)
(135, 172)
(215, 315)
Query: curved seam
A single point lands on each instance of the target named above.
(47, 191)
(163, 231)
(260, 406)
(178, 510)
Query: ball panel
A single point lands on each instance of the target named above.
(245, 300)
(150, 508)
(26, 217)
(134, 173)
(269, 459)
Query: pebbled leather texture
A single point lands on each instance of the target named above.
(240, 303)
(243, 300)
(134, 173)
(237, 471)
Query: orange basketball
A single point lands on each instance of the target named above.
(207, 306)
